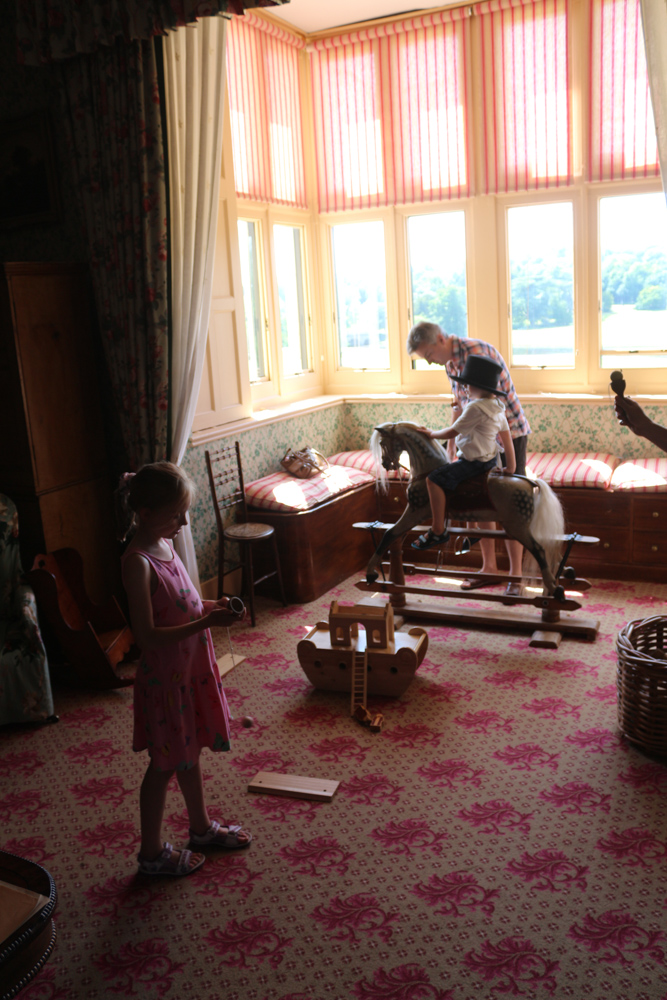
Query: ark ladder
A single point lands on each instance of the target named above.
(359, 680)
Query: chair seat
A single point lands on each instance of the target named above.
(248, 532)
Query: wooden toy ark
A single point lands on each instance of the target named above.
(529, 512)
(338, 656)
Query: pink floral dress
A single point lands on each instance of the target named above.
(179, 704)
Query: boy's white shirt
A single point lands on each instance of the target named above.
(478, 427)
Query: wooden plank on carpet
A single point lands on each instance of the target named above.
(227, 662)
(293, 786)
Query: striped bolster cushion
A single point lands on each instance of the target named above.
(592, 469)
(648, 475)
(364, 460)
(282, 492)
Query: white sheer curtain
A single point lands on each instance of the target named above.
(194, 68)
(654, 19)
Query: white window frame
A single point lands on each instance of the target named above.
(650, 381)
(532, 379)
(350, 380)
(294, 384)
(262, 269)
(279, 387)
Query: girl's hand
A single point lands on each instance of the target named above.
(223, 617)
(426, 431)
(219, 612)
(210, 606)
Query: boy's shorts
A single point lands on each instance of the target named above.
(448, 477)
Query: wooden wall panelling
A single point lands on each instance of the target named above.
(55, 464)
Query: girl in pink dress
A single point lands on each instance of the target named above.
(179, 704)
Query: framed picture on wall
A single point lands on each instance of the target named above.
(28, 181)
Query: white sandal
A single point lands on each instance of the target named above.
(170, 862)
(216, 836)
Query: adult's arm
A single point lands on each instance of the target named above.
(631, 415)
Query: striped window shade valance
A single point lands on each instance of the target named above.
(390, 112)
(622, 140)
(525, 100)
(265, 111)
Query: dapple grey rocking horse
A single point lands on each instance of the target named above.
(528, 510)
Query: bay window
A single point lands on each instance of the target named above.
(492, 168)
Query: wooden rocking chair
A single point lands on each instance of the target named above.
(93, 638)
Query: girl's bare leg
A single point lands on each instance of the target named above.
(152, 797)
(191, 784)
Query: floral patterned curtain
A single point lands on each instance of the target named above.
(106, 51)
(59, 29)
(115, 135)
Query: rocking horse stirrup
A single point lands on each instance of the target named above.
(572, 539)
(466, 545)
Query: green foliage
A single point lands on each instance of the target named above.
(541, 294)
(626, 275)
(440, 301)
(652, 297)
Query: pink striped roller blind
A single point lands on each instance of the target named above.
(265, 110)
(390, 113)
(622, 140)
(527, 141)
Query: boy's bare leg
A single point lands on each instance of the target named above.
(437, 499)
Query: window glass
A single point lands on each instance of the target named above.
(289, 265)
(361, 295)
(437, 256)
(255, 322)
(541, 261)
(633, 270)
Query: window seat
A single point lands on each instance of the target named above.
(624, 503)
(313, 520)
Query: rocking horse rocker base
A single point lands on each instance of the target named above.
(529, 512)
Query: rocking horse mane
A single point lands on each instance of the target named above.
(409, 433)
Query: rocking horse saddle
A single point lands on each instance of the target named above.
(470, 494)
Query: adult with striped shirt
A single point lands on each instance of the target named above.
(428, 341)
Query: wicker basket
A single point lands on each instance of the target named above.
(641, 684)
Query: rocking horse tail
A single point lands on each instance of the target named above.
(547, 524)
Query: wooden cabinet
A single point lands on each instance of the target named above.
(53, 460)
(632, 529)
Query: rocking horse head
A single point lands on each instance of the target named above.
(390, 443)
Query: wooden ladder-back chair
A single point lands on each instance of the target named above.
(225, 474)
(93, 638)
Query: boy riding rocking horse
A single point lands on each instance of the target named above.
(475, 435)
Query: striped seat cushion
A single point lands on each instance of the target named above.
(282, 492)
(648, 475)
(364, 460)
(591, 469)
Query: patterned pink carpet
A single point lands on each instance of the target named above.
(496, 839)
